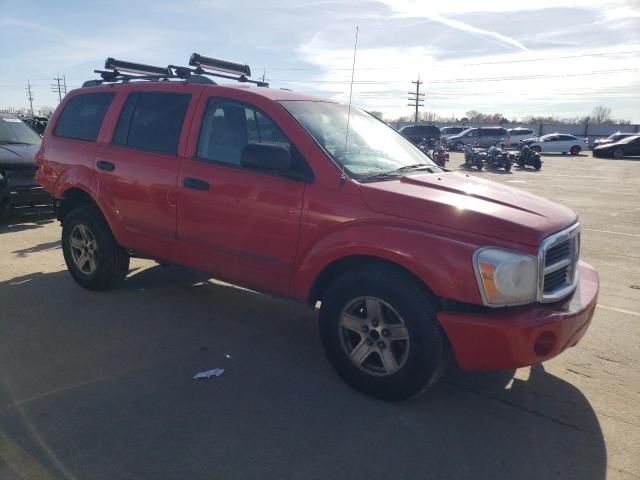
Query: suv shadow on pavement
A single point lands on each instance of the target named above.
(99, 384)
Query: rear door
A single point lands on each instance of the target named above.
(137, 169)
(238, 223)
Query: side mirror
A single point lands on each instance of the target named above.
(266, 156)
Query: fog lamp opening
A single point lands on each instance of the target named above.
(544, 343)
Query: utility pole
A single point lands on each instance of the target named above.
(264, 71)
(58, 87)
(64, 82)
(416, 98)
(30, 97)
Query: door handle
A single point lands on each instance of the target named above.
(106, 166)
(195, 184)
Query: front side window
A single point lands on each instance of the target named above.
(228, 126)
(152, 121)
(82, 116)
(369, 147)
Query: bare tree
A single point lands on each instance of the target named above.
(601, 114)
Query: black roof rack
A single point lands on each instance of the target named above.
(124, 71)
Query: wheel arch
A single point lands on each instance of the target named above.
(341, 265)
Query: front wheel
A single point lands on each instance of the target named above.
(575, 150)
(93, 257)
(458, 146)
(380, 333)
(618, 154)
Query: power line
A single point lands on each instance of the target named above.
(416, 98)
(595, 54)
(464, 80)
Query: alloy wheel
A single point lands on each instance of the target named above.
(374, 336)
(84, 249)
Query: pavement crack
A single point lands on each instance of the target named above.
(522, 408)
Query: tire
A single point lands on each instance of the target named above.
(536, 148)
(507, 167)
(458, 146)
(575, 150)
(537, 164)
(618, 154)
(105, 263)
(406, 308)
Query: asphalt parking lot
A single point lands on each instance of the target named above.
(98, 385)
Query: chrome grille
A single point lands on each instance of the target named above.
(558, 258)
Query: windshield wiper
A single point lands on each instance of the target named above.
(398, 173)
(417, 166)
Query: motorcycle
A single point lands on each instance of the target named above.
(528, 157)
(497, 158)
(473, 158)
(440, 156)
(427, 145)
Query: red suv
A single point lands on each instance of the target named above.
(303, 198)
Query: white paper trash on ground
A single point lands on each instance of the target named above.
(216, 372)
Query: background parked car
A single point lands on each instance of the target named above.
(628, 146)
(514, 135)
(18, 146)
(451, 131)
(558, 142)
(417, 133)
(613, 138)
(483, 136)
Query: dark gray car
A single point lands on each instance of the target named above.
(18, 147)
(483, 136)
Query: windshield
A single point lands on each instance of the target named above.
(15, 131)
(372, 147)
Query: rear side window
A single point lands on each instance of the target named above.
(152, 121)
(83, 115)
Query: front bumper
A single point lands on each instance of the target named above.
(521, 336)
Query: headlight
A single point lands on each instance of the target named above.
(505, 277)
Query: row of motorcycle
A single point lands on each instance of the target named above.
(495, 157)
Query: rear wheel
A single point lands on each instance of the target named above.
(575, 150)
(618, 153)
(92, 255)
(380, 333)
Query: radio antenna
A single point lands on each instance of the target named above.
(353, 69)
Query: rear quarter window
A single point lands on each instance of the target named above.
(152, 121)
(82, 116)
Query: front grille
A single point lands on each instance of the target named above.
(21, 177)
(559, 255)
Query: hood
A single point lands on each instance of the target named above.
(470, 204)
(18, 155)
(612, 145)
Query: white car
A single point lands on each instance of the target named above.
(558, 142)
(514, 136)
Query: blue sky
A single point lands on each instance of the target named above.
(540, 57)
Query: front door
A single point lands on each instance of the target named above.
(234, 222)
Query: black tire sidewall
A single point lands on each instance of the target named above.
(110, 257)
(417, 308)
